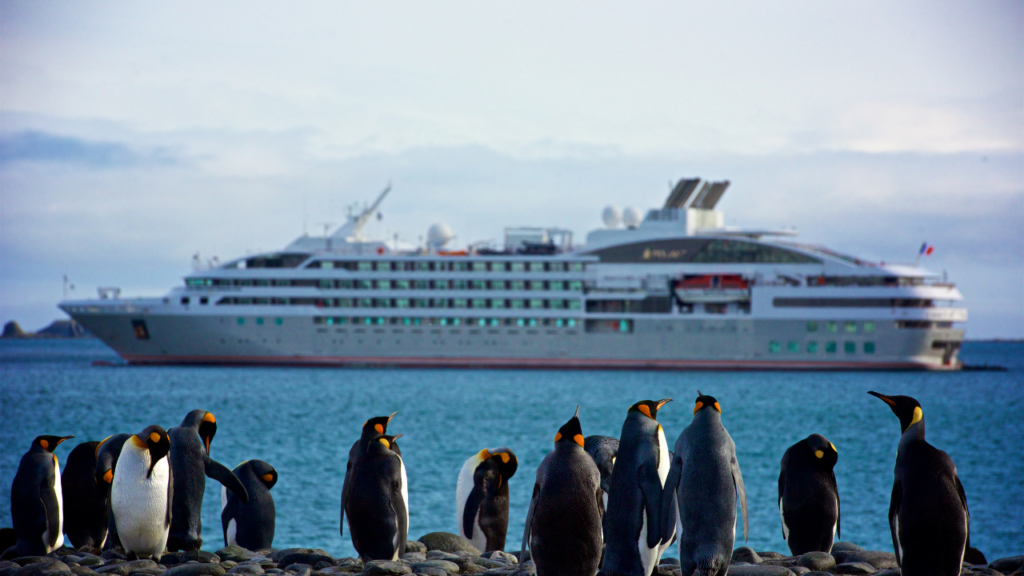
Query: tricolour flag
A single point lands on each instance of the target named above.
(926, 249)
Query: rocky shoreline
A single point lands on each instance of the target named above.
(441, 554)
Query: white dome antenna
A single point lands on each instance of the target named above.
(631, 217)
(438, 235)
(611, 216)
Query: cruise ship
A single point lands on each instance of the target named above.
(672, 289)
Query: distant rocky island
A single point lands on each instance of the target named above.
(56, 329)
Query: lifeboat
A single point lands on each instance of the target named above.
(712, 288)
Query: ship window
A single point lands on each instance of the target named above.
(139, 327)
(575, 267)
(715, 308)
(345, 284)
(364, 284)
(812, 326)
(869, 327)
(774, 347)
(383, 284)
(812, 347)
(497, 303)
(498, 285)
(278, 321)
(479, 266)
(204, 300)
(571, 322)
(477, 285)
(556, 285)
(184, 301)
(517, 266)
(558, 304)
(830, 347)
(479, 303)
(535, 266)
(461, 266)
(536, 303)
(520, 322)
(849, 347)
(365, 266)
(440, 284)
(401, 303)
(459, 303)
(423, 266)
(517, 285)
(458, 284)
(620, 326)
(326, 264)
(832, 327)
(531, 322)
(366, 303)
(421, 284)
(383, 266)
(869, 347)
(324, 284)
(792, 346)
(241, 321)
(401, 284)
(536, 285)
(559, 322)
(383, 302)
(575, 285)
(439, 303)
(421, 303)
(515, 304)
(344, 302)
(850, 327)
(574, 304)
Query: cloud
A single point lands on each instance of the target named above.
(37, 146)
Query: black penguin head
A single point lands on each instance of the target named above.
(107, 452)
(821, 450)
(47, 443)
(907, 409)
(204, 423)
(571, 430)
(265, 472)
(155, 439)
(382, 444)
(649, 408)
(377, 425)
(704, 401)
(505, 461)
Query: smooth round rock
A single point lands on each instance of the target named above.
(1008, 564)
(414, 546)
(432, 572)
(91, 561)
(845, 547)
(300, 569)
(768, 554)
(669, 561)
(249, 569)
(386, 568)
(745, 554)
(819, 561)
(854, 568)
(197, 569)
(79, 570)
(755, 570)
(445, 565)
(878, 560)
(37, 568)
(26, 560)
(448, 542)
(502, 556)
(235, 553)
(310, 558)
(147, 572)
(798, 570)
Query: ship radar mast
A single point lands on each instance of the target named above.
(351, 230)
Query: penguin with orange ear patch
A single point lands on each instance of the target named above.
(378, 513)
(372, 427)
(85, 499)
(563, 524)
(481, 497)
(37, 499)
(809, 496)
(251, 525)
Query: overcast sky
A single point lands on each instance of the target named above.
(133, 135)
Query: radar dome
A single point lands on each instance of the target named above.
(438, 235)
(631, 217)
(612, 216)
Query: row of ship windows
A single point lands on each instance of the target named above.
(831, 347)
(495, 303)
(393, 266)
(326, 284)
(623, 326)
(832, 327)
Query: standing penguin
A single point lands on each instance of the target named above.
(563, 524)
(703, 484)
(37, 499)
(634, 538)
(107, 453)
(378, 515)
(808, 495)
(251, 525)
(85, 499)
(141, 494)
(191, 463)
(603, 449)
(481, 497)
(928, 514)
(371, 428)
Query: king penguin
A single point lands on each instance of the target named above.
(85, 499)
(378, 515)
(603, 449)
(107, 453)
(251, 525)
(703, 485)
(371, 428)
(928, 514)
(809, 496)
(191, 463)
(563, 524)
(633, 528)
(37, 499)
(481, 497)
(142, 492)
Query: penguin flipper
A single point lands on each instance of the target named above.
(894, 508)
(651, 493)
(737, 478)
(529, 522)
(469, 512)
(782, 484)
(668, 494)
(49, 499)
(401, 519)
(963, 500)
(835, 487)
(225, 476)
(170, 497)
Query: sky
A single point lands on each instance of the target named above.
(133, 136)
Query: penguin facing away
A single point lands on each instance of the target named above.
(107, 453)
(633, 527)
(372, 427)
(703, 486)
(85, 499)
(928, 515)
(603, 449)
(251, 525)
(809, 496)
(191, 464)
(563, 524)
(142, 492)
(481, 497)
(37, 499)
(378, 516)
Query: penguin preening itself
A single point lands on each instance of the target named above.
(142, 492)
(378, 513)
(481, 497)
(563, 524)
(85, 499)
(809, 496)
(37, 499)
(191, 464)
(634, 532)
(703, 485)
(603, 449)
(251, 525)
(371, 428)
(928, 514)
(107, 453)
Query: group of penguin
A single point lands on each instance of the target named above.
(599, 505)
(142, 492)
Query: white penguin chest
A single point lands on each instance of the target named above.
(59, 493)
(139, 502)
(663, 459)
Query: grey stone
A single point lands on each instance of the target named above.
(274, 571)
(386, 568)
(448, 542)
(300, 569)
(816, 573)
(755, 570)
(854, 568)
(488, 563)
(55, 573)
(820, 561)
(36, 568)
(197, 569)
(26, 560)
(667, 570)
(248, 569)
(228, 564)
(201, 556)
(502, 556)
(279, 555)
(310, 558)
(669, 561)
(414, 557)
(446, 565)
(1005, 565)
(91, 561)
(414, 546)
(526, 568)
(235, 553)
(146, 572)
(113, 554)
(435, 554)
(82, 571)
(769, 554)
(798, 570)
(745, 554)
(878, 560)
(845, 547)
(983, 571)
(432, 572)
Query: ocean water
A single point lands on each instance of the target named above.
(304, 420)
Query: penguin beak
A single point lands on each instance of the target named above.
(663, 402)
(884, 398)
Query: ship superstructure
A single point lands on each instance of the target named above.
(672, 289)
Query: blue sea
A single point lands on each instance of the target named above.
(304, 420)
